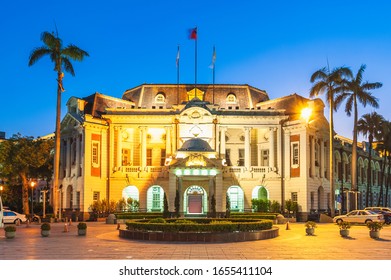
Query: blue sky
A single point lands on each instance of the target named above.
(272, 45)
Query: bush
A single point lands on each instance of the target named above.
(310, 224)
(157, 221)
(375, 226)
(344, 225)
(45, 226)
(82, 226)
(10, 228)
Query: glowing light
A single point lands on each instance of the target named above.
(212, 172)
(306, 114)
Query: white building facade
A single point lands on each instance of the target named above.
(220, 141)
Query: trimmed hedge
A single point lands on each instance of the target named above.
(138, 215)
(255, 215)
(201, 225)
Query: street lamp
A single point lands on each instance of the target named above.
(32, 198)
(1, 190)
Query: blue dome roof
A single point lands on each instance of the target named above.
(196, 145)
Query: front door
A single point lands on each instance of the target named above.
(195, 204)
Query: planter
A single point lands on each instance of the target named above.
(81, 232)
(344, 232)
(45, 233)
(310, 231)
(10, 234)
(374, 234)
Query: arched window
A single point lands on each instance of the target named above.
(160, 98)
(231, 98)
(236, 198)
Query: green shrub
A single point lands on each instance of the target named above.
(45, 226)
(82, 226)
(10, 228)
(157, 221)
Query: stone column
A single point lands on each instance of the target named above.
(312, 162)
(287, 154)
(247, 150)
(322, 159)
(279, 147)
(119, 148)
(271, 148)
(68, 156)
(77, 152)
(223, 129)
(168, 140)
(143, 131)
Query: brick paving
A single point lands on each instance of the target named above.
(103, 243)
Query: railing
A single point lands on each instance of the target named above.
(162, 171)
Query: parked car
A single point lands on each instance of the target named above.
(378, 208)
(12, 217)
(359, 216)
(386, 215)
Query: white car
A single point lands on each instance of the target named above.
(359, 216)
(12, 217)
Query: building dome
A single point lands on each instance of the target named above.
(196, 145)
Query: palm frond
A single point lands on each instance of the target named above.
(37, 54)
(320, 74)
(360, 72)
(50, 40)
(318, 89)
(68, 66)
(74, 52)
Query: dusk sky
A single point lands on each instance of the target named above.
(271, 45)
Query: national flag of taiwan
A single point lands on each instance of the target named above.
(193, 33)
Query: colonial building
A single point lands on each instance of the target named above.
(220, 141)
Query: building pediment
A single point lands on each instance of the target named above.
(195, 160)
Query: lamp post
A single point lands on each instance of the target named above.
(32, 198)
(44, 202)
(1, 190)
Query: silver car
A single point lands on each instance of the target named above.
(359, 217)
(12, 217)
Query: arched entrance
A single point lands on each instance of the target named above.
(131, 196)
(260, 192)
(195, 201)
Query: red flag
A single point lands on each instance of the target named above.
(193, 33)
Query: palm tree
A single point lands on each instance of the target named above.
(61, 57)
(329, 83)
(356, 91)
(369, 126)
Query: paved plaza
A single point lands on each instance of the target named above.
(103, 243)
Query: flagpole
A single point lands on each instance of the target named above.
(195, 75)
(177, 81)
(213, 73)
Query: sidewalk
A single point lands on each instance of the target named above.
(102, 242)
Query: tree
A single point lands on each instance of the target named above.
(61, 57)
(356, 91)
(177, 203)
(24, 158)
(166, 212)
(369, 125)
(329, 83)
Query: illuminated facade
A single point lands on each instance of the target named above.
(195, 143)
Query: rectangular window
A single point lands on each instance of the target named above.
(77, 200)
(294, 196)
(241, 157)
(264, 157)
(162, 157)
(228, 157)
(149, 157)
(96, 196)
(95, 154)
(295, 154)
